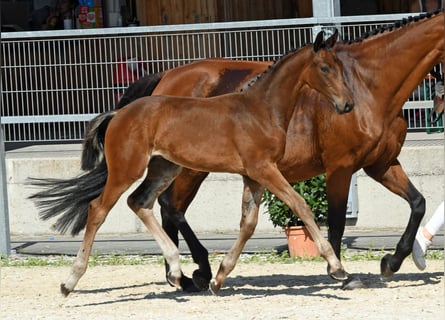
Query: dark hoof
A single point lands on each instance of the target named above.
(340, 275)
(188, 285)
(353, 283)
(214, 287)
(385, 267)
(200, 281)
(64, 290)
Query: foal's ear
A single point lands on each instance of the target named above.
(319, 42)
(330, 42)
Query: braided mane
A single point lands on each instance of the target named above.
(272, 66)
(399, 24)
(391, 27)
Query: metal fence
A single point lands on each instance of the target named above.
(53, 83)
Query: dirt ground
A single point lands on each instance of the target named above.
(253, 291)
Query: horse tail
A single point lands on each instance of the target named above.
(93, 142)
(140, 88)
(69, 198)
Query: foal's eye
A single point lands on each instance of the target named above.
(324, 69)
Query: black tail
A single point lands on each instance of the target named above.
(140, 88)
(69, 198)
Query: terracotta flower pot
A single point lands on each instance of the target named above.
(300, 242)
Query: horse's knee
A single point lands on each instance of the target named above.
(248, 225)
(96, 214)
(143, 197)
(418, 206)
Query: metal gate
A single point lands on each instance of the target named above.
(53, 83)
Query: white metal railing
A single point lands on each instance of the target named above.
(54, 82)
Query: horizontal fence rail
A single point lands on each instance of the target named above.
(53, 83)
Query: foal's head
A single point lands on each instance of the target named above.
(326, 74)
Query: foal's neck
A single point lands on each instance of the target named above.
(278, 87)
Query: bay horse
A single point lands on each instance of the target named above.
(383, 67)
(242, 133)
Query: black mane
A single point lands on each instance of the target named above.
(272, 66)
(396, 25)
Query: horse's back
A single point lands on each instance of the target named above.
(209, 77)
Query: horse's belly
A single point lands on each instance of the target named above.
(203, 160)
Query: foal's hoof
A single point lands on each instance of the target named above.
(173, 281)
(353, 283)
(340, 275)
(385, 266)
(64, 290)
(200, 281)
(214, 287)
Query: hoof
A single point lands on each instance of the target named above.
(385, 267)
(200, 281)
(353, 283)
(214, 287)
(173, 281)
(64, 290)
(340, 275)
(187, 285)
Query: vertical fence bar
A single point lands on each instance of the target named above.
(5, 241)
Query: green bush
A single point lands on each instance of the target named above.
(312, 190)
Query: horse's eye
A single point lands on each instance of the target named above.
(324, 69)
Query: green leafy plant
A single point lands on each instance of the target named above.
(312, 190)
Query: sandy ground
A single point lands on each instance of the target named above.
(252, 291)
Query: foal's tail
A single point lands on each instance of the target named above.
(69, 198)
(93, 142)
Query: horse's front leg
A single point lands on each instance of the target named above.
(337, 188)
(396, 180)
(270, 177)
(250, 206)
(174, 203)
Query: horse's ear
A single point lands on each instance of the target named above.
(330, 42)
(319, 42)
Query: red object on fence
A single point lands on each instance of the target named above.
(127, 71)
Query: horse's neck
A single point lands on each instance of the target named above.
(279, 86)
(390, 65)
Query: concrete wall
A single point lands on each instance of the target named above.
(217, 206)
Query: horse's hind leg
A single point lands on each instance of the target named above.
(97, 212)
(396, 180)
(160, 175)
(174, 202)
(251, 201)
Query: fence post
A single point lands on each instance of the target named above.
(326, 8)
(5, 242)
